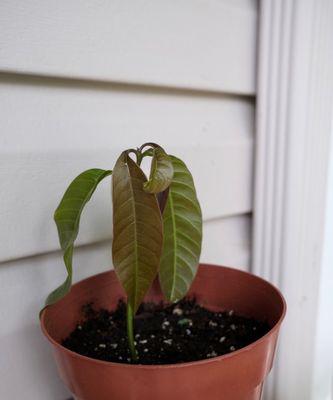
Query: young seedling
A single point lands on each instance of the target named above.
(157, 226)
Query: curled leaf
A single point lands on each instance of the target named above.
(182, 222)
(67, 218)
(161, 172)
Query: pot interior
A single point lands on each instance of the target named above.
(217, 288)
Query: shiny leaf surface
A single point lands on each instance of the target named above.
(182, 234)
(67, 218)
(137, 230)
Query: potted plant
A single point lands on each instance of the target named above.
(159, 325)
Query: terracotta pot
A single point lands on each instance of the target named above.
(235, 376)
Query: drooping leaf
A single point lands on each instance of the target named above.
(182, 234)
(161, 172)
(67, 218)
(137, 230)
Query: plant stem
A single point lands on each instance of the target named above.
(139, 157)
(130, 333)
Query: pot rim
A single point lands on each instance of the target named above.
(275, 327)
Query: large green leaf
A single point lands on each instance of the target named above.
(182, 234)
(67, 218)
(137, 230)
(161, 172)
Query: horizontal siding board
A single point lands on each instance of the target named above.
(81, 81)
(27, 282)
(227, 241)
(51, 133)
(209, 45)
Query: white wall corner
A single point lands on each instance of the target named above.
(323, 363)
(295, 87)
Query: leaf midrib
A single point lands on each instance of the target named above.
(173, 220)
(135, 239)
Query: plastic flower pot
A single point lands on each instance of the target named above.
(235, 376)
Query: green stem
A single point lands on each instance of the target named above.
(130, 333)
(139, 157)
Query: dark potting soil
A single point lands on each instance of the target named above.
(164, 334)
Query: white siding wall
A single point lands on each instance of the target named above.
(80, 81)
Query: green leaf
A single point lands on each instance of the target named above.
(137, 230)
(182, 234)
(67, 218)
(161, 172)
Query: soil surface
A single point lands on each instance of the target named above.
(164, 334)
